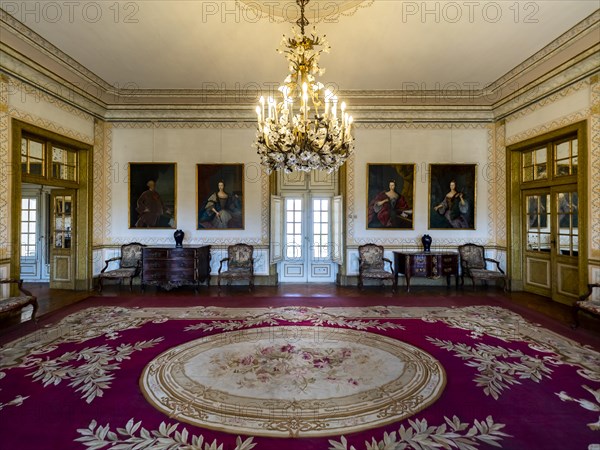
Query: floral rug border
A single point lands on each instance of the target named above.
(493, 321)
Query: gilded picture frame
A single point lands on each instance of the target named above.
(152, 195)
(390, 196)
(452, 196)
(220, 196)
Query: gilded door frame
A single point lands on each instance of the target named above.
(514, 200)
(83, 257)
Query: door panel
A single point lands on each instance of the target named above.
(63, 242)
(551, 242)
(307, 231)
(566, 242)
(538, 237)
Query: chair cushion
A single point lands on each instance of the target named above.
(481, 273)
(373, 273)
(590, 306)
(119, 273)
(236, 272)
(10, 303)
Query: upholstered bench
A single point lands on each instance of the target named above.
(8, 304)
(587, 304)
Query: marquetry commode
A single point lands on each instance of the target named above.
(426, 264)
(174, 267)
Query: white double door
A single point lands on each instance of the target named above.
(310, 248)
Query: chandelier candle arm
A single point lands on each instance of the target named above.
(306, 140)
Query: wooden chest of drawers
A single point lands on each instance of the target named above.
(426, 264)
(174, 267)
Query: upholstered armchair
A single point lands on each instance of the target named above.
(240, 265)
(587, 304)
(474, 265)
(371, 264)
(20, 301)
(130, 265)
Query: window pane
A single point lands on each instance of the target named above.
(36, 150)
(562, 151)
(541, 172)
(528, 173)
(540, 156)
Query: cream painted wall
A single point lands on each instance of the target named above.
(421, 146)
(186, 147)
(548, 112)
(33, 106)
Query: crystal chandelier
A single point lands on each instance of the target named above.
(305, 130)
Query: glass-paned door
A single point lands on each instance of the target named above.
(62, 239)
(551, 242)
(307, 228)
(34, 233)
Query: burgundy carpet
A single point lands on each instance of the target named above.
(296, 378)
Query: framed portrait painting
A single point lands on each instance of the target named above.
(390, 196)
(220, 196)
(452, 195)
(152, 195)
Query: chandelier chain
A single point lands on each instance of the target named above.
(305, 130)
(302, 21)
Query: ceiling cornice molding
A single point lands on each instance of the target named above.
(50, 50)
(562, 81)
(91, 94)
(48, 84)
(588, 25)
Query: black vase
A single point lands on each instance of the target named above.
(178, 235)
(426, 240)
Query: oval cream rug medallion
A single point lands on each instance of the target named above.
(292, 381)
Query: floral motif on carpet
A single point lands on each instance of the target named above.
(332, 378)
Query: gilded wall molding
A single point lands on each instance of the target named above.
(499, 176)
(5, 172)
(595, 168)
(102, 178)
(420, 125)
(183, 125)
